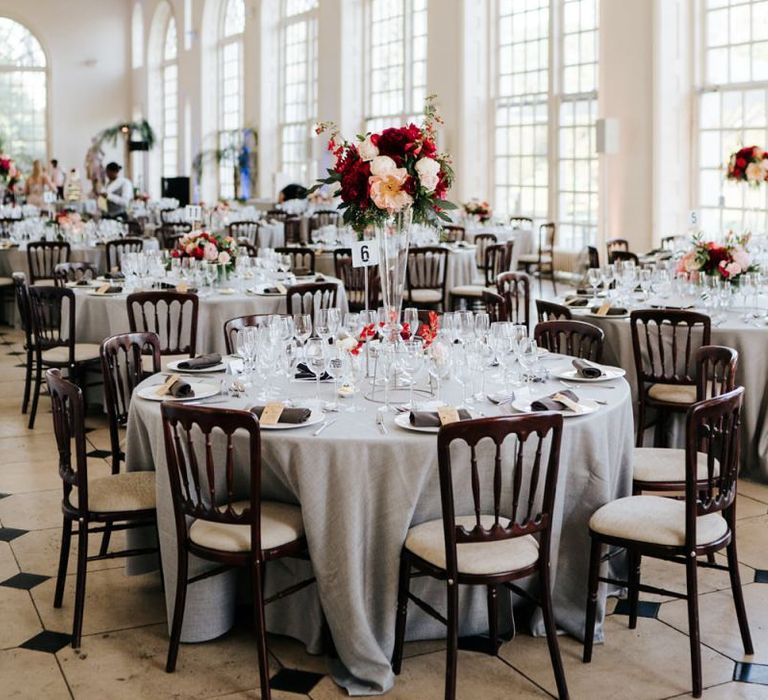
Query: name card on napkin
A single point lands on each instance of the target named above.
(182, 287)
(165, 387)
(103, 289)
(271, 413)
(568, 403)
(281, 288)
(447, 414)
(605, 307)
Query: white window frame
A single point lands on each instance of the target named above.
(169, 143)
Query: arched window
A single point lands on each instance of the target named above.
(230, 74)
(23, 93)
(137, 37)
(169, 70)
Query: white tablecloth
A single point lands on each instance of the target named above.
(359, 492)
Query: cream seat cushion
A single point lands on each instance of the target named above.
(425, 296)
(281, 523)
(683, 394)
(6, 281)
(471, 290)
(128, 491)
(666, 464)
(533, 258)
(83, 352)
(428, 542)
(654, 519)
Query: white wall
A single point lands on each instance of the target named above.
(86, 44)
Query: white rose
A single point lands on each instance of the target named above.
(428, 169)
(754, 172)
(224, 257)
(382, 165)
(367, 149)
(346, 343)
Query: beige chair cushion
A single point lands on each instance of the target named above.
(654, 519)
(471, 290)
(119, 492)
(533, 258)
(663, 464)
(427, 541)
(281, 523)
(425, 296)
(6, 281)
(83, 352)
(683, 394)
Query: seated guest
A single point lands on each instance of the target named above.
(292, 191)
(118, 192)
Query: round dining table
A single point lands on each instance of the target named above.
(360, 488)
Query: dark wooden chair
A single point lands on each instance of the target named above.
(481, 242)
(668, 242)
(320, 218)
(248, 230)
(135, 228)
(217, 521)
(21, 294)
(451, 548)
(664, 344)
(426, 274)
(593, 257)
(574, 338)
(116, 249)
(521, 222)
(169, 233)
(623, 256)
(306, 298)
(251, 250)
(302, 259)
(172, 316)
(123, 366)
(551, 311)
(353, 279)
(498, 259)
(292, 230)
(616, 244)
(6, 226)
(451, 233)
(69, 272)
(118, 502)
(662, 468)
(55, 341)
(234, 325)
(680, 531)
(277, 215)
(172, 216)
(515, 287)
(42, 258)
(495, 306)
(542, 261)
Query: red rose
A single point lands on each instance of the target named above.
(442, 186)
(741, 162)
(395, 142)
(354, 183)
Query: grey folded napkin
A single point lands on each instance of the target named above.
(548, 403)
(114, 290)
(304, 372)
(613, 311)
(114, 276)
(289, 415)
(576, 301)
(302, 271)
(83, 283)
(181, 390)
(201, 361)
(431, 419)
(587, 369)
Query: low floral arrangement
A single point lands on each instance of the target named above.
(8, 169)
(206, 246)
(427, 332)
(69, 221)
(749, 164)
(385, 173)
(478, 208)
(728, 261)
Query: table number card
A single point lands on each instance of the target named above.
(448, 414)
(193, 213)
(365, 254)
(271, 413)
(165, 387)
(605, 307)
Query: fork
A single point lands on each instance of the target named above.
(380, 422)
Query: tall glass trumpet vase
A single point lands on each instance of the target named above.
(393, 238)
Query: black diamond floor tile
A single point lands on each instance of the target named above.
(101, 454)
(10, 533)
(751, 673)
(21, 365)
(761, 576)
(4, 495)
(645, 608)
(24, 581)
(292, 680)
(47, 641)
(15, 353)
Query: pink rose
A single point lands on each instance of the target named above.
(741, 257)
(224, 257)
(733, 269)
(210, 252)
(387, 192)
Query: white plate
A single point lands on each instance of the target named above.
(609, 373)
(202, 390)
(608, 316)
(226, 291)
(259, 291)
(523, 406)
(403, 420)
(174, 367)
(314, 418)
(94, 293)
(90, 285)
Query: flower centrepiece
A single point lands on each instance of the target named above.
(206, 246)
(748, 164)
(478, 208)
(728, 261)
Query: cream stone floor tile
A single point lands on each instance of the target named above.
(747, 507)
(292, 653)
(22, 477)
(113, 601)
(753, 489)
(256, 695)
(718, 624)
(28, 674)
(19, 618)
(734, 691)
(38, 551)
(751, 539)
(130, 664)
(648, 662)
(8, 565)
(32, 446)
(37, 510)
(423, 677)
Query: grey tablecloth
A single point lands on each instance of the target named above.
(750, 342)
(359, 492)
(98, 317)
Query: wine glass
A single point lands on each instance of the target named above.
(482, 324)
(334, 367)
(645, 277)
(528, 356)
(334, 321)
(594, 277)
(411, 319)
(463, 370)
(411, 360)
(323, 324)
(315, 351)
(302, 324)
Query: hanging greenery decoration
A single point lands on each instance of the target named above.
(130, 130)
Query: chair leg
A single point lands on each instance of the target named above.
(82, 564)
(261, 628)
(492, 594)
(593, 583)
(693, 623)
(640, 424)
(36, 395)
(452, 648)
(61, 576)
(402, 611)
(551, 630)
(554, 283)
(738, 595)
(179, 603)
(634, 586)
(659, 439)
(27, 382)
(105, 539)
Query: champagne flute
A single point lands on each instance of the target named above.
(303, 326)
(315, 352)
(528, 355)
(411, 318)
(594, 277)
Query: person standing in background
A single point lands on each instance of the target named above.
(57, 177)
(37, 183)
(118, 193)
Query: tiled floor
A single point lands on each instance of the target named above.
(125, 637)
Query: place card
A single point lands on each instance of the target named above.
(103, 289)
(271, 413)
(281, 288)
(165, 387)
(605, 307)
(182, 287)
(448, 414)
(568, 403)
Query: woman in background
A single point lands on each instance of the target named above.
(37, 183)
